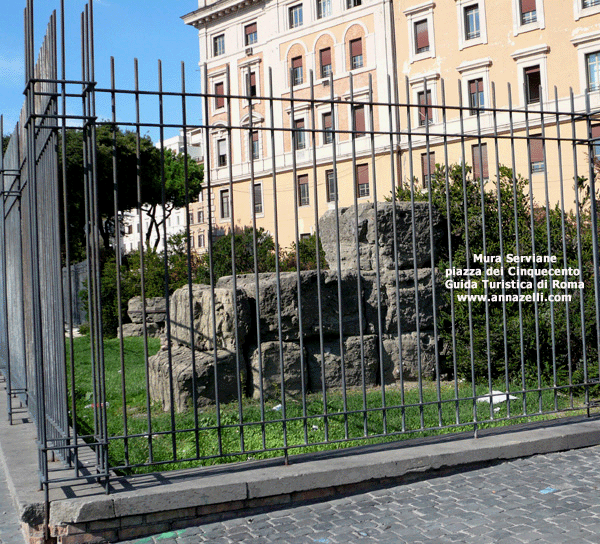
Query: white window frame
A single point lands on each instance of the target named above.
(579, 11)
(417, 84)
(532, 56)
(324, 16)
(221, 217)
(475, 69)
(461, 6)
(214, 42)
(252, 65)
(288, 10)
(585, 44)
(413, 16)
(518, 27)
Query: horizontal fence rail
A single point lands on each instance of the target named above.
(342, 267)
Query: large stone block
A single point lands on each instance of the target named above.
(202, 317)
(156, 310)
(270, 359)
(289, 322)
(409, 369)
(396, 299)
(370, 241)
(180, 366)
(330, 359)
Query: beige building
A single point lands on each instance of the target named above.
(276, 161)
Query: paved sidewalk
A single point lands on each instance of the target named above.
(10, 528)
(552, 498)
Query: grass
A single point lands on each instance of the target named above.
(414, 412)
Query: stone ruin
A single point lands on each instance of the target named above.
(280, 341)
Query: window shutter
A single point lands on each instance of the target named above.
(299, 124)
(536, 149)
(220, 92)
(327, 121)
(362, 174)
(252, 79)
(595, 131)
(255, 135)
(250, 29)
(356, 48)
(325, 56)
(532, 70)
(422, 34)
(359, 119)
(527, 6)
(297, 62)
(477, 171)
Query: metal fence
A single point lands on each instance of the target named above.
(450, 293)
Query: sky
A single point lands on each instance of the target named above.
(148, 30)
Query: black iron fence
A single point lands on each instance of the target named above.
(348, 269)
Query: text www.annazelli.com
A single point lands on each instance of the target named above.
(529, 297)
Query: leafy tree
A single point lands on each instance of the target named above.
(5, 140)
(114, 144)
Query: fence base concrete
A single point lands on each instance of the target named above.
(161, 502)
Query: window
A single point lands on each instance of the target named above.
(472, 28)
(528, 11)
(201, 241)
(325, 58)
(353, 3)
(323, 8)
(362, 180)
(596, 141)
(220, 95)
(191, 241)
(327, 128)
(250, 34)
(303, 197)
(421, 37)
(589, 3)
(425, 113)
(592, 61)
(300, 135)
(219, 45)
(358, 115)
(297, 73)
(200, 216)
(258, 200)
(331, 186)
(191, 218)
(255, 145)
(251, 80)
(480, 152)
(533, 80)
(427, 166)
(224, 202)
(222, 152)
(475, 95)
(536, 154)
(356, 54)
(296, 16)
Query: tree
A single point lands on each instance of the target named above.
(113, 144)
(5, 140)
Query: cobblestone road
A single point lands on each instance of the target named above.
(550, 499)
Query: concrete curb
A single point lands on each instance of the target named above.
(185, 495)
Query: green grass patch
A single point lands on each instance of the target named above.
(158, 437)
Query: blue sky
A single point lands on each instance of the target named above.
(125, 29)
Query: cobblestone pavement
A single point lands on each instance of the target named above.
(550, 499)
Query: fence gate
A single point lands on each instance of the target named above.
(414, 310)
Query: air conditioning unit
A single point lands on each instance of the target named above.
(248, 51)
(325, 83)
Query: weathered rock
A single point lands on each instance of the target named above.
(156, 310)
(202, 313)
(332, 362)
(272, 361)
(386, 301)
(369, 240)
(181, 368)
(153, 330)
(410, 368)
(290, 316)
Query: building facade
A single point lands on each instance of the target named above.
(298, 112)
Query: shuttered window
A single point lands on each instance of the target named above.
(421, 37)
(425, 114)
(533, 81)
(536, 153)
(356, 54)
(327, 128)
(297, 72)
(303, 196)
(528, 12)
(480, 153)
(427, 166)
(251, 34)
(220, 95)
(325, 57)
(475, 95)
(358, 113)
(362, 179)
